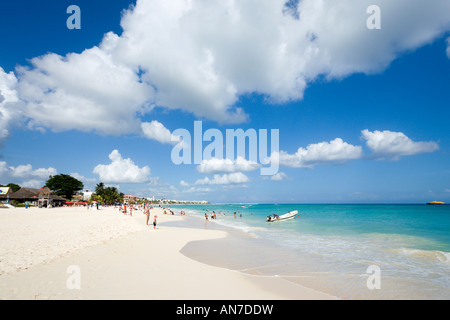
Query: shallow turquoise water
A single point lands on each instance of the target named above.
(409, 243)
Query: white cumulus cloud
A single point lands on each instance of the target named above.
(215, 165)
(90, 91)
(279, 176)
(393, 145)
(202, 56)
(121, 170)
(184, 183)
(26, 171)
(83, 179)
(155, 130)
(336, 151)
(227, 178)
(9, 112)
(25, 175)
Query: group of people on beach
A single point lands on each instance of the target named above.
(213, 216)
(145, 208)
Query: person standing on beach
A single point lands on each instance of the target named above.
(148, 215)
(154, 222)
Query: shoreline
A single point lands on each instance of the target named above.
(119, 257)
(334, 264)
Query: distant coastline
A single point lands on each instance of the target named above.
(180, 202)
(318, 203)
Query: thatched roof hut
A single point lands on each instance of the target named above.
(25, 194)
(55, 197)
(30, 194)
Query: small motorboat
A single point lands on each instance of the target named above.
(283, 217)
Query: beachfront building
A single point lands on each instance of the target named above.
(78, 196)
(129, 198)
(25, 195)
(82, 195)
(43, 197)
(5, 192)
(87, 195)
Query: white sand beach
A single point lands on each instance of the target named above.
(113, 256)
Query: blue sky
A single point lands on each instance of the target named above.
(82, 105)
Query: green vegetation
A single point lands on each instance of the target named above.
(64, 185)
(108, 195)
(14, 187)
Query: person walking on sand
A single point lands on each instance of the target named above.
(154, 222)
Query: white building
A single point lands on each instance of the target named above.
(87, 195)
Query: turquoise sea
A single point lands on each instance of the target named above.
(329, 247)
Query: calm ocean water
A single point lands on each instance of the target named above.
(329, 247)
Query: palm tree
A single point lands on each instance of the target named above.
(99, 188)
